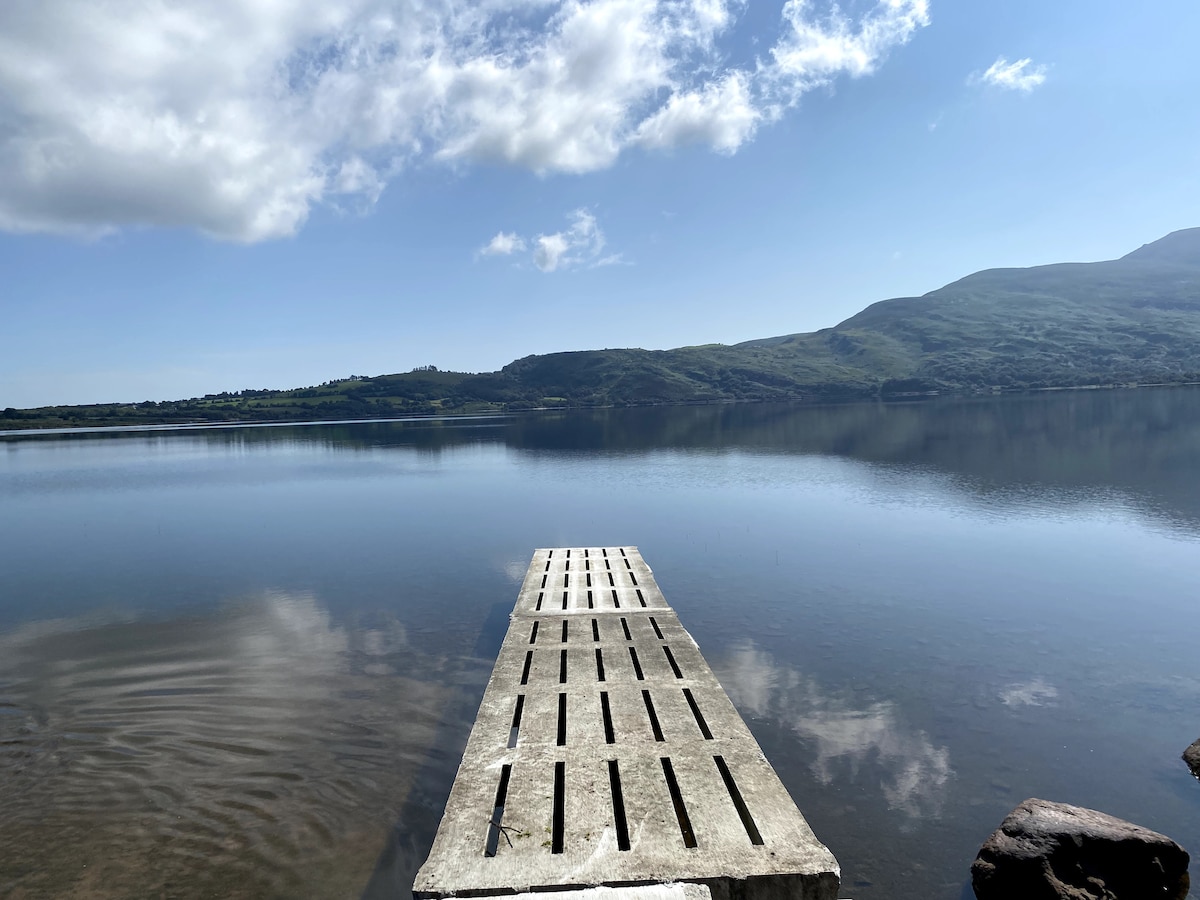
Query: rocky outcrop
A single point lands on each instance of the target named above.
(1191, 756)
(1053, 851)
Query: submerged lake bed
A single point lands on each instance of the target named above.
(244, 661)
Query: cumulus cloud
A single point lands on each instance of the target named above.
(721, 114)
(580, 243)
(1021, 75)
(238, 117)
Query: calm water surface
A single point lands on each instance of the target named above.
(243, 662)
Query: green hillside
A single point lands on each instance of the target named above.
(1125, 321)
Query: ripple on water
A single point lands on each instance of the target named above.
(248, 754)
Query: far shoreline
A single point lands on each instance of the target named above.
(481, 412)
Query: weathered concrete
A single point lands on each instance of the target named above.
(1053, 851)
(700, 803)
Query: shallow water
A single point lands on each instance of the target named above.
(243, 662)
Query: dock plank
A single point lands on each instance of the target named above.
(695, 799)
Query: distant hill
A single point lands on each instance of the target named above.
(1125, 321)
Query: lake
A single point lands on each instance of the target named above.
(243, 662)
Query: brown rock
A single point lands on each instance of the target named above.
(1191, 756)
(1053, 851)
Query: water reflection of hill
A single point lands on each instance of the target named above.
(1143, 446)
(1140, 446)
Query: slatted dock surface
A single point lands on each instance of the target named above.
(605, 752)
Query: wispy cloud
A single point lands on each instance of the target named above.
(581, 243)
(1021, 75)
(237, 117)
(505, 243)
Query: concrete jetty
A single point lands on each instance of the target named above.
(606, 755)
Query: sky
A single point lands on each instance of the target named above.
(208, 195)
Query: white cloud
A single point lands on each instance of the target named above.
(1021, 75)
(814, 50)
(721, 114)
(580, 243)
(505, 243)
(237, 117)
(549, 250)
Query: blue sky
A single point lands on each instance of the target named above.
(212, 196)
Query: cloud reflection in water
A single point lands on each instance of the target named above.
(1029, 693)
(254, 751)
(850, 740)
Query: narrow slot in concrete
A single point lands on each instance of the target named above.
(700, 720)
(544, 577)
(515, 730)
(562, 720)
(610, 736)
(616, 601)
(681, 813)
(739, 803)
(525, 671)
(564, 600)
(637, 665)
(533, 632)
(562, 667)
(611, 583)
(654, 726)
(671, 660)
(618, 799)
(589, 579)
(560, 791)
(538, 608)
(564, 631)
(599, 664)
(641, 599)
(625, 628)
(595, 630)
(633, 578)
(591, 605)
(657, 630)
(496, 823)
(567, 579)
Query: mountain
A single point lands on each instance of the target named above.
(1134, 319)
(1125, 321)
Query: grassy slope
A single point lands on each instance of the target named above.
(1136, 319)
